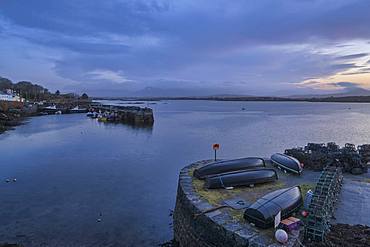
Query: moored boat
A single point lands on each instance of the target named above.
(262, 213)
(287, 163)
(228, 166)
(50, 109)
(92, 114)
(77, 109)
(241, 178)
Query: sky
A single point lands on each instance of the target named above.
(187, 47)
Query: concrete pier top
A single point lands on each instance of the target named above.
(200, 222)
(224, 226)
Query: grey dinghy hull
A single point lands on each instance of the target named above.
(228, 166)
(262, 213)
(287, 163)
(241, 178)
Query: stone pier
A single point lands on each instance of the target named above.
(127, 114)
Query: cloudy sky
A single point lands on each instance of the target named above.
(183, 47)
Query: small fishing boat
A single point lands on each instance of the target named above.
(287, 163)
(228, 166)
(77, 109)
(50, 109)
(241, 178)
(92, 114)
(53, 107)
(262, 213)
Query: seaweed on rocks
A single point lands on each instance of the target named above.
(345, 235)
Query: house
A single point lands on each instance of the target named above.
(10, 96)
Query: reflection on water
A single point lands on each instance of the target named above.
(72, 170)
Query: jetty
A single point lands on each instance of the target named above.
(134, 115)
(313, 207)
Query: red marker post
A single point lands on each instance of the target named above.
(216, 147)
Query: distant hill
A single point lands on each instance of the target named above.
(351, 92)
(181, 92)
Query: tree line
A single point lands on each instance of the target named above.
(35, 92)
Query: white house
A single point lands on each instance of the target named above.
(10, 96)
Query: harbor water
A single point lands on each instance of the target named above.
(80, 182)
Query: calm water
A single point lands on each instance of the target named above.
(72, 170)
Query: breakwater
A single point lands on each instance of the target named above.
(123, 114)
(196, 224)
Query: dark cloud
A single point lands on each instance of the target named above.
(362, 70)
(346, 84)
(345, 66)
(353, 56)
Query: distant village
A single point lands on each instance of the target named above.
(10, 95)
(23, 99)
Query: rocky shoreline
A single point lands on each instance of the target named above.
(13, 115)
(9, 118)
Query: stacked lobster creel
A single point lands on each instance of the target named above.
(316, 156)
(322, 205)
(364, 151)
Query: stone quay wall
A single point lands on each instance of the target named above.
(128, 114)
(214, 229)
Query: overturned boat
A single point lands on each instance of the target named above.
(262, 213)
(287, 163)
(228, 166)
(241, 178)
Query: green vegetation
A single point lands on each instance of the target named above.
(35, 92)
(26, 89)
(216, 196)
(306, 187)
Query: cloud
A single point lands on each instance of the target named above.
(346, 84)
(353, 56)
(253, 45)
(345, 66)
(108, 75)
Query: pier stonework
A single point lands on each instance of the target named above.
(218, 228)
(128, 114)
(214, 229)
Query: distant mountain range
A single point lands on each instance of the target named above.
(353, 94)
(202, 92)
(356, 91)
(178, 92)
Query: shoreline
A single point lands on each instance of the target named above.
(346, 99)
(132, 115)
